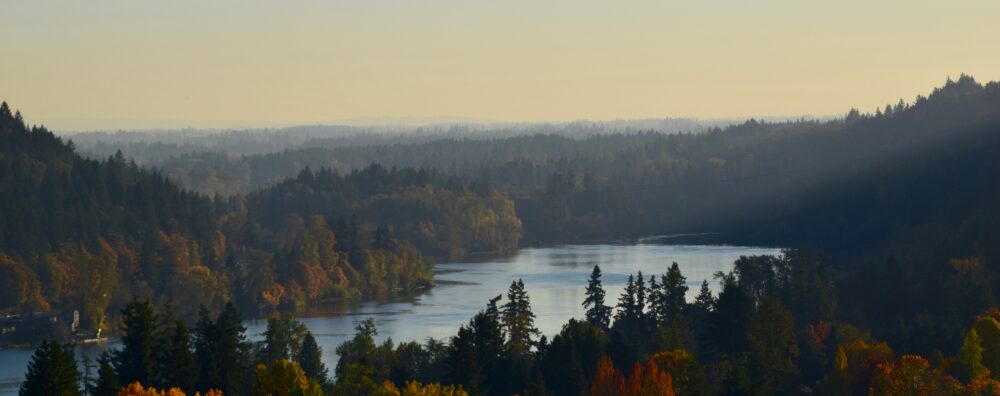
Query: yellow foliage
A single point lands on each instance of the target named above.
(414, 388)
(283, 377)
(136, 389)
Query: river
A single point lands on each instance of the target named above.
(554, 278)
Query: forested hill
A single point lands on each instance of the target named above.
(848, 185)
(90, 235)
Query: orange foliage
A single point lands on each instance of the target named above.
(647, 379)
(911, 375)
(608, 381)
(19, 287)
(136, 389)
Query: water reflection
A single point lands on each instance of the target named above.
(554, 278)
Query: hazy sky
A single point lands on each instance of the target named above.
(140, 64)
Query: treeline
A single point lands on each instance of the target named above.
(799, 323)
(441, 216)
(87, 235)
(833, 184)
(160, 356)
(778, 326)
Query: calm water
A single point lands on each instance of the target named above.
(554, 278)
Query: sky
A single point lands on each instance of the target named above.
(85, 65)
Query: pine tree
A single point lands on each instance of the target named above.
(282, 339)
(311, 359)
(519, 320)
(231, 350)
(640, 295)
(205, 339)
(222, 351)
(52, 372)
(704, 302)
(627, 304)
(598, 314)
(135, 361)
(176, 364)
(107, 379)
(674, 290)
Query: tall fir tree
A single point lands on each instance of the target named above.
(107, 378)
(519, 320)
(176, 363)
(205, 339)
(232, 350)
(673, 290)
(598, 314)
(310, 359)
(640, 295)
(52, 371)
(222, 351)
(628, 306)
(136, 361)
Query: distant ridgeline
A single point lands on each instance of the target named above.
(88, 235)
(850, 186)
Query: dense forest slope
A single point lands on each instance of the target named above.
(89, 235)
(848, 185)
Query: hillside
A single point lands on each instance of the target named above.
(86, 235)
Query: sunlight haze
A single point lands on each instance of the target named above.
(115, 64)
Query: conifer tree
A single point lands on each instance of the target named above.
(52, 372)
(282, 339)
(232, 350)
(519, 320)
(310, 359)
(598, 314)
(205, 339)
(704, 301)
(107, 379)
(135, 361)
(627, 303)
(672, 297)
(177, 366)
(640, 295)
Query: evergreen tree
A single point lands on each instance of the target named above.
(52, 371)
(727, 324)
(222, 351)
(205, 340)
(673, 292)
(135, 361)
(358, 350)
(176, 363)
(628, 305)
(519, 320)
(107, 379)
(640, 295)
(598, 314)
(310, 359)
(282, 339)
(232, 350)
(704, 302)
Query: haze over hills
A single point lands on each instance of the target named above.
(882, 206)
(153, 146)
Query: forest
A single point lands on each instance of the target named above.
(778, 327)
(755, 182)
(87, 235)
(889, 286)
